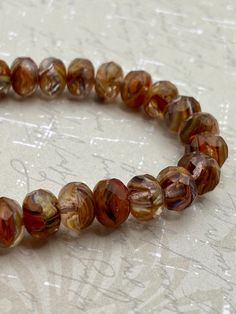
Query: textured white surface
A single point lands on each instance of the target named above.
(182, 264)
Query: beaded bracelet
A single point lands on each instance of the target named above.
(145, 196)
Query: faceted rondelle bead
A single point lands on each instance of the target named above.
(75, 202)
(5, 79)
(199, 122)
(111, 202)
(24, 76)
(145, 197)
(135, 87)
(108, 81)
(80, 77)
(41, 214)
(209, 144)
(179, 187)
(52, 77)
(11, 222)
(204, 169)
(179, 110)
(159, 95)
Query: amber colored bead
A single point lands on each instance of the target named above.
(179, 187)
(145, 197)
(80, 77)
(199, 122)
(41, 214)
(209, 144)
(24, 76)
(111, 202)
(108, 81)
(5, 79)
(11, 222)
(75, 202)
(159, 95)
(179, 110)
(52, 77)
(204, 169)
(135, 87)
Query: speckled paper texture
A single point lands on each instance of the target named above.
(178, 264)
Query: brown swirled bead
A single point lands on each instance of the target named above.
(5, 79)
(145, 197)
(52, 77)
(41, 214)
(80, 77)
(179, 187)
(11, 222)
(24, 76)
(159, 95)
(209, 144)
(135, 87)
(179, 110)
(75, 202)
(199, 122)
(111, 202)
(204, 169)
(108, 81)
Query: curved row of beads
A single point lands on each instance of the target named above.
(111, 203)
(175, 188)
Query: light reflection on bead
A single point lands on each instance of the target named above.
(209, 144)
(52, 77)
(159, 95)
(135, 87)
(24, 76)
(76, 205)
(199, 122)
(11, 222)
(145, 197)
(179, 187)
(111, 202)
(179, 110)
(41, 214)
(204, 169)
(108, 81)
(80, 77)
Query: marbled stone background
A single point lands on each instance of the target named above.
(178, 264)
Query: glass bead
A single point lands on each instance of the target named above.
(108, 81)
(159, 95)
(111, 202)
(179, 110)
(11, 223)
(80, 77)
(209, 144)
(5, 79)
(199, 122)
(24, 76)
(204, 170)
(179, 187)
(135, 87)
(76, 205)
(145, 197)
(52, 77)
(41, 214)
